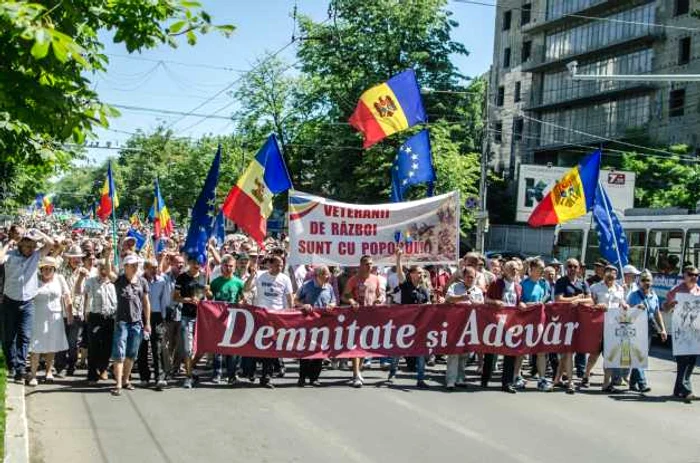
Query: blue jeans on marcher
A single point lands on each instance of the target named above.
(228, 361)
(17, 320)
(126, 340)
(420, 367)
(638, 376)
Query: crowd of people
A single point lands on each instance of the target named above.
(65, 306)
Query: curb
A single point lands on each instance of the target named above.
(16, 431)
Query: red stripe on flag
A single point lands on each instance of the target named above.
(544, 213)
(363, 120)
(245, 212)
(105, 208)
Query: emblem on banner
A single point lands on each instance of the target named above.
(385, 106)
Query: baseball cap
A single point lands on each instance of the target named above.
(131, 259)
(629, 268)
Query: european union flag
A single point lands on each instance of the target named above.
(140, 239)
(413, 165)
(203, 214)
(218, 231)
(611, 236)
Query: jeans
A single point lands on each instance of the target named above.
(420, 367)
(455, 368)
(126, 341)
(638, 376)
(17, 319)
(310, 369)
(684, 372)
(101, 330)
(156, 342)
(187, 333)
(579, 364)
(249, 365)
(228, 361)
(68, 358)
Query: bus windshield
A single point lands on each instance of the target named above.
(665, 251)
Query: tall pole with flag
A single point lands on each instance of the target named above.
(203, 214)
(611, 236)
(412, 165)
(109, 201)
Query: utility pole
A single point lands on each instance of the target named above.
(482, 216)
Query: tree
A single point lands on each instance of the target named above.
(48, 52)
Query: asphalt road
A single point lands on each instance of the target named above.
(70, 422)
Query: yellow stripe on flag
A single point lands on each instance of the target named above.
(252, 183)
(385, 107)
(568, 196)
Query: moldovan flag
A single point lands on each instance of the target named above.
(162, 223)
(47, 203)
(249, 203)
(109, 199)
(572, 196)
(389, 108)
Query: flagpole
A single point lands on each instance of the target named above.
(114, 219)
(612, 230)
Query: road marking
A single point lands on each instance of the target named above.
(460, 429)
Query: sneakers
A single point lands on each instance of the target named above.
(520, 383)
(509, 389)
(422, 384)
(585, 382)
(543, 385)
(161, 384)
(216, 379)
(316, 383)
(357, 383)
(188, 383)
(33, 382)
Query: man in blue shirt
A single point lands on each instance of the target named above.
(645, 298)
(536, 290)
(158, 297)
(313, 295)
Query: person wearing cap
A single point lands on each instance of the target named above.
(100, 304)
(71, 272)
(599, 272)
(607, 294)
(48, 333)
(630, 274)
(158, 298)
(133, 318)
(645, 298)
(683, 388)
(21, 286)
(172, 266)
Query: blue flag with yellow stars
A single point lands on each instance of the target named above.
(413, 164)
(611, 236)
(203, 214)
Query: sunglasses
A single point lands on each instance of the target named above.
(692, 275)
(572, 266)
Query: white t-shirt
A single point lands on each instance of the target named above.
(271, 291)
(611, 297)
(510, 297)
(476, 295)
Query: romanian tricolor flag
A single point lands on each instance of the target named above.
(47, 204)
(389, 108)
(135, 220)
(162, 223)
(572, 196)
(108, 198)
(249, 203)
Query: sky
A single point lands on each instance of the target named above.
(186, 77)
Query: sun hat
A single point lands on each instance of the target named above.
(48, 261)
(74, 251)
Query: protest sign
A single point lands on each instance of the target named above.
(686, 325)
(323, 231)
(626, 342)
(397, 330)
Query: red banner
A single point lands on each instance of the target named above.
(397, 330)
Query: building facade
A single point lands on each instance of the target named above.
(539, 115)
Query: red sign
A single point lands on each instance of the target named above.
(616, 178)
(397, 330)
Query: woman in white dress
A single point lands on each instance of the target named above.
(48, 333)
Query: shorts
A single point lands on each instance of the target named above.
(126, 340)
(187, 335)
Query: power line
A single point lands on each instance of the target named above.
(582, 16)
(167, 111)
(177, 63)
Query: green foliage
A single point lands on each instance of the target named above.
(48, 52)
(664, 181)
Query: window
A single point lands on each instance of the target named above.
(506, 20)
(684, 50)
(525, 13)
(526, 52)
(592, 249)
(692, 248)
(506, 58)
(664, 254)
(568, 245)
(637, 241)
(517, 129)
(500, 98)
(682, 7)
(498, 132)
(516, 93)
(676, 103)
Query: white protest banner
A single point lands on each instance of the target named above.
(323, 231)
(626, 344)
(686, 325)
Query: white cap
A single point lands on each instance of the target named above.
(131, 259)
(629, 268)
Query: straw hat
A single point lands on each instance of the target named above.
(48, 261)
(74, 251)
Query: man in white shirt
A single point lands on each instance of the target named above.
(607, 294)
(463, 291)
(273, 291)
(21, 285)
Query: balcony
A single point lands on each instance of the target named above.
(593, 92)
(548, 21)
(539, 61)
